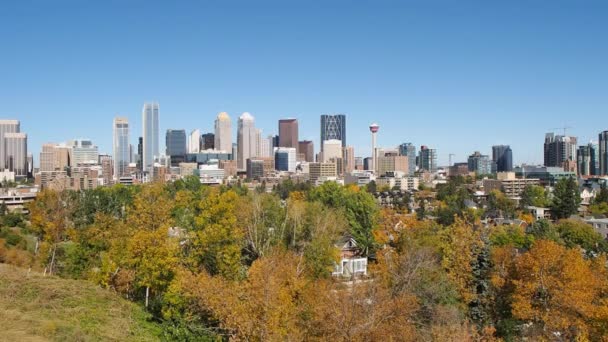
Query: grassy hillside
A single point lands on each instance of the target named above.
(37, 308)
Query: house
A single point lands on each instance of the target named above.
(352, 264)
(540, 213)
(600, 225)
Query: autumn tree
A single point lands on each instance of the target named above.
(217, 239)
(557, 291)
(50, 218)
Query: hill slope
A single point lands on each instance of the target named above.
(37, 308)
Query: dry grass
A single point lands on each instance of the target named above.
(38, 308)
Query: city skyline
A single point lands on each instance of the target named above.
(441, 75)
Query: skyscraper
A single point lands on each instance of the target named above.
(194, 141)
(348, 155)
(307, 148)
(603, 151)
(428, 159)
(332, 150)
(586, 160)
(6, 126)
(121, 147)
(175, 142)
(333, 127)
(208, 141)
(559, 149)
(288, 133)
(409, 150)
(223, 133)
(479, 163)
(247, 136)
(150, 135)
(140, 153)
(15, 152)
(503, 157)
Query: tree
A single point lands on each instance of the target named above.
(566, 198)
(576, 233)
(218, 238)
(500, 205)
(535, 196)
(558, 291)
(49, 215)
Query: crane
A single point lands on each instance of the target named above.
(565, 128)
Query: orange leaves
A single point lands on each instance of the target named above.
(557, 289)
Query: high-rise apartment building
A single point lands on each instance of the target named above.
(150, 114)
(223, 133)
(333, 127)
(428, 159)
(247, 140)
(175, 142)
(6, 126)
(121, 147)
(603, 153)
(194, 141)
(409, 150)
(503, 157)
(307, 148)
(288, 133)
(586, 160)
(15, 153)
(83, 152)
(559, 149)
(479, 163)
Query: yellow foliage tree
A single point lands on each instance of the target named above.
(559, 291)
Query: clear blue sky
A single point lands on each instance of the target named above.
(459, 76)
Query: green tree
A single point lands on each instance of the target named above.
(576, 233)
(500, 205)
(566, 198)
(534, 195)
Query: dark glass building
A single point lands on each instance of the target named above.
(176, 146)
(502, 156)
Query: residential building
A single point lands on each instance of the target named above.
(409, 150)
(586, 160)
(288, 133)
(260, 167)
(333, 127)
(107, 168)
(428, 159)
(459, 169)
(479, 163)
(507, 182)
(502, 156)
(150, 114)
(603, 153)
(121, 147)
(559, 149)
